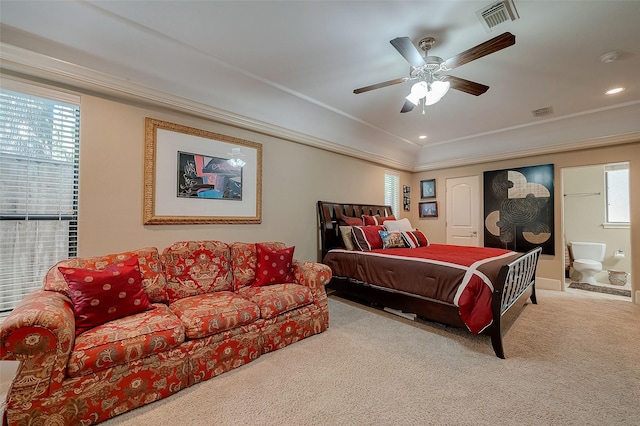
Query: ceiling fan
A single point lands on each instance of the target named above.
(431, 85)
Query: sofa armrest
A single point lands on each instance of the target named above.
(40, 333)
(313, 275)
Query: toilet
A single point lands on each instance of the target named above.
(587, 259)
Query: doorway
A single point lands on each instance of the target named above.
(462, 212)
(596, 210)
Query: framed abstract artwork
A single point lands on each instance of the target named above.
(194, 176)
(518, 208)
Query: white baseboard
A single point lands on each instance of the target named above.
(548, 284)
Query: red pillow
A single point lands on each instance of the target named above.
(369, 220)
(367, 237)
(415, 238)
(350, 221)
(376, 219)
(382, 220)
(102, 296)
(273, 266)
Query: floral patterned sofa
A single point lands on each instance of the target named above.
(205, 308)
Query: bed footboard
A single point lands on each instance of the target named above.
(515, 284)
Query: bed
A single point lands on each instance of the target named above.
(477, 288)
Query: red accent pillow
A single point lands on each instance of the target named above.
(376, 220)
(367, 237)
(414, 239)
(350, 221)
(105, 295)
(369, 220)
(382, 220)
(273, 266)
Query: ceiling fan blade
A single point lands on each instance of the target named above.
(500, 42)
(466, 86)
(407, 107)
(405, 47)
(379, 85)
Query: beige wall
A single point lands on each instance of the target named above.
(551, 267)
(294, 178)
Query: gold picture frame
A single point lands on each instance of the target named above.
(194, 176)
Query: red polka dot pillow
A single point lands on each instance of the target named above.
(105, 295)
(273, 266)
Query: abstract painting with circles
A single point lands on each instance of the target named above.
(518, 208)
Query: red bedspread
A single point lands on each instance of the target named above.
(456, 275)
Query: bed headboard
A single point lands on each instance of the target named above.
(329, 214)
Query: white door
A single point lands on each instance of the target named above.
(462, 201)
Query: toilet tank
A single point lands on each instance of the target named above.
(591, 251)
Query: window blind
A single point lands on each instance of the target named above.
(39, 155)
(391, 192)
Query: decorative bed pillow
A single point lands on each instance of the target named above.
(350, 221)
(415, 238)
(382, 220)
(106, 295)
(273, 266)
(367, 237)
(391, 239)
(369, 220)
(376, 219)
(347, 237)
(398, 225)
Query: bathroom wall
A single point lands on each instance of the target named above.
(585, 211)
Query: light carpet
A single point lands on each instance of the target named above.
(571, 360)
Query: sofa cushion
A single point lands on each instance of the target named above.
(211, 313)
(244, 259)
(273, 266)
(196, 267)
(102, 296)
(278, 298)
(153, 279)
(124, 340)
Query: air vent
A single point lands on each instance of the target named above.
(541, 112)
(497, 13)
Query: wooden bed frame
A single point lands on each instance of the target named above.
(514, 286)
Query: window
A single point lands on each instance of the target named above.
(392, 192)
(39, 146)
(617, 190)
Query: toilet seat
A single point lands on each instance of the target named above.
(587, 263)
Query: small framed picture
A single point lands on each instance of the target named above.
(406, 197)
(428, 188)
(428, 209)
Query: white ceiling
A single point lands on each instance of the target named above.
(293, 65)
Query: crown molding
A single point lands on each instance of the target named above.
(29, 64)
(564, 147)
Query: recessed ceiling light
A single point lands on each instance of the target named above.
(614, 91)
(422, 137)
(609, 57)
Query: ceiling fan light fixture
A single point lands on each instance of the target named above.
(431, 93)
(440, 88)
(418, 91)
